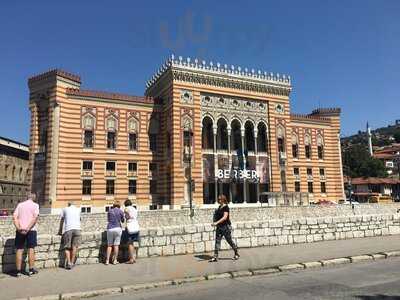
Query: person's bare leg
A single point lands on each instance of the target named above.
(136, 253)
(68, 256)
(18, 259)
(73, 254)
(108, 254)
(31, 257)
(115, 254)
(131, 258)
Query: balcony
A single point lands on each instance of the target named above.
(310, 177)
(322, 177)
(297, 177)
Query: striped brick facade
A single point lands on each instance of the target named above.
(174, 103)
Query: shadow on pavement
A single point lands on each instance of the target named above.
(378, 297)
(203, 257)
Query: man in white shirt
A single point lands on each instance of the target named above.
(71, 238)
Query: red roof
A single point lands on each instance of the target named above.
(392, 149)
(374, 180)
(112, 96)
(384, 155)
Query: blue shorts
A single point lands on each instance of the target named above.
(29, 239)
(131, 237)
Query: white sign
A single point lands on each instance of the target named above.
(238, 174)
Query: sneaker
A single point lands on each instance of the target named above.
(68, 267)
(32, 271)
(18, 273)
(236, 256)
(214, 259)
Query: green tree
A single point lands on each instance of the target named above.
(396, 136)
(358, 163)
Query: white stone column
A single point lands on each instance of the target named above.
(229, 160)
(215, 128)
(54, 152)
(242, 133)
(256, 154)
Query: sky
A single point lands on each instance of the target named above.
(338, 53)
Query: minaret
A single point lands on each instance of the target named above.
(369, 140)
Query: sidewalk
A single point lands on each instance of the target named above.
(99, 276)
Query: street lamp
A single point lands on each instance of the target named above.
(187, 154)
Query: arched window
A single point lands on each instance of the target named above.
(111, 124)
(236, 136)
(187, 126)
(262, 137)
(222, 134)
(295, 146)
(20, 174)
(88, 133)
(307, 146)
(280, 133)
(320, 145)
(88, 121)
(249, 136)
(133, 128)
(13, 174)
(207, 139)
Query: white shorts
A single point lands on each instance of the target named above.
(114, 236)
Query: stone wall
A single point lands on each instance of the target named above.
(49, 224)
(198, 238)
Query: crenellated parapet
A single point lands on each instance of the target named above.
(326, 111)
(221, 75)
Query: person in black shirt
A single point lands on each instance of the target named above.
(223, 228)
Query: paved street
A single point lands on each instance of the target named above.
(369, 281)
(99, 276)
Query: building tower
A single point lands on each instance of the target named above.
(369, 140)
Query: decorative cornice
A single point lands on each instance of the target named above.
(111, 96)
(222, 76)
(301, 117)
(326, 111)
(54, 72)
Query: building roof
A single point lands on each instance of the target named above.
(55, 72)
(384, 155)
(373, 180)
(224, 74)
(391, 149)
(112, 96)
(12, 143)
(302, 117)
(326, 111)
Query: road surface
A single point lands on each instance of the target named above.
(369, 281)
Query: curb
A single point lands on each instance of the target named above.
(231, 275)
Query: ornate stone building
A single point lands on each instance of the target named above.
(234, 124)
(14, 162)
